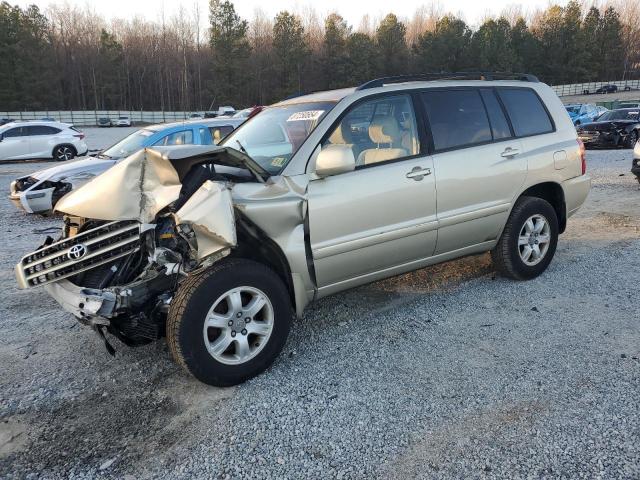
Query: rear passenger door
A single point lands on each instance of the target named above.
(478, 164)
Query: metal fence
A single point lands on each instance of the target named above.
(90, 118)
(591, 87)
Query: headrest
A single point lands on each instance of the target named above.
(336, 137)
(384, 130)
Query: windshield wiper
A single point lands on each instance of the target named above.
(242, 149)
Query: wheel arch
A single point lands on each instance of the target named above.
(70, 145)
(553, 193)
(254, 244)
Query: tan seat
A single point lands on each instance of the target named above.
(386, 133)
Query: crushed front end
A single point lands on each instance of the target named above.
(119, 274)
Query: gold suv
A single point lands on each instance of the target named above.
(217, 246)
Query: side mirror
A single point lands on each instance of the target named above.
(335, 159)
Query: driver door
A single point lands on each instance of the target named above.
(379, 219)
(15, 144)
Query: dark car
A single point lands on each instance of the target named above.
(104, 122)
(5, 120)
(615, 128)
(607, 89)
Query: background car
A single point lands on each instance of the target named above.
(615, 128)
(123, 121)
(635, 166)
(607, 89)
(5, 120)
(105, 122)
(582, 113)
(22, 140)
(47, 119)
(629, 105)
(39, 192)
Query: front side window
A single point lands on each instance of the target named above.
(184, 137)
(14, 132)
(528, 115)
(218, 133)
(457, 118)
(379, 130)
(273, 136)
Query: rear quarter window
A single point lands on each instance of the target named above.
(526, 111)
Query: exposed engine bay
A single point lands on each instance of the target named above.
(134, 233)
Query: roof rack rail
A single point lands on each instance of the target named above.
(379, 82)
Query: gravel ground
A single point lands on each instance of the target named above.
(447, 372)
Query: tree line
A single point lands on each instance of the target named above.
(71, 58)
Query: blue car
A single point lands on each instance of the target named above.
(583, 113)
(39, 192)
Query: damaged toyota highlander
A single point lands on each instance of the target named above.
(216, 247)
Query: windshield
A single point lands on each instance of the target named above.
(275, 134)
(619, 115)
(127, 146)
(573, 108)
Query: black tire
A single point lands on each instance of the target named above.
(506, 255)
(185, 321)
(63, 153)
(631, 140)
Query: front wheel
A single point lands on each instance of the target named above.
(229, 323)
(632, 138)
(528, 241)
(63, 152)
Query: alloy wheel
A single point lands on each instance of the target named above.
(238, 325)
(534, 239)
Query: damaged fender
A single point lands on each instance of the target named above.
(209, 213)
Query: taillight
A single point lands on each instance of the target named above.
(80, 136)
(583, 156)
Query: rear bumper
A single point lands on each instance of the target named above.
(576, 191)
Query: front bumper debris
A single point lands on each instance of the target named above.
(88, 304)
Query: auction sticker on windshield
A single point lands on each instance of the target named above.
(305, 115)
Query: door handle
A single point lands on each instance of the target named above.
(510, 152)
(418, 173)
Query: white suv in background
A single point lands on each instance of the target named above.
(22, 140)
(123, 121)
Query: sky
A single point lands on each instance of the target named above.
(471, 10)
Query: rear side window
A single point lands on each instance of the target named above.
(179, 138)
(42, 130)
(528, 115)
(499, 125)
(457, 118)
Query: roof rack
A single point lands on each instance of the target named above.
(379, 82)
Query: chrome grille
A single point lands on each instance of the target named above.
(79, 253)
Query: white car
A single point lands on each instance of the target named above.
(22, 140)
(123, 121)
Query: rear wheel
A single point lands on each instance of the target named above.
(64, 152)
(529, 240)
(632, 138)
(229, 323)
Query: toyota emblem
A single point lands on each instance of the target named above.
(77, 252)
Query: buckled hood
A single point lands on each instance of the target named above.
(141, 185)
